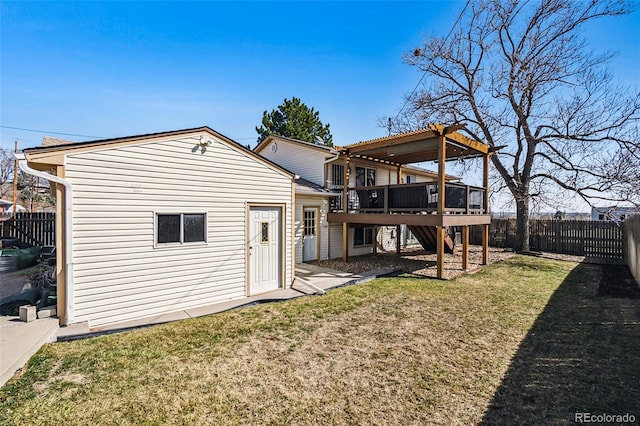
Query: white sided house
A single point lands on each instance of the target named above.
(319, 186)
(158, 223)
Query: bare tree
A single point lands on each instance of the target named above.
(6, 171)
(520, 75)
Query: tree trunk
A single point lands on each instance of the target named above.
(522, 225)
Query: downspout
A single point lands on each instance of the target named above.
(330, 160)
(68, 238)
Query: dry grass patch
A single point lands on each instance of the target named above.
(392, 351)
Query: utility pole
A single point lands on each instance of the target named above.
(15, 186)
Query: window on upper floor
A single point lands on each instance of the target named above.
(365, 176)
(337, 174)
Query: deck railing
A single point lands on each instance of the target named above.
(413, 198)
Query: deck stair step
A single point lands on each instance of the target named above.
(428, 237)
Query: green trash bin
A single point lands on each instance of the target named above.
(25, 257)
(8, 262)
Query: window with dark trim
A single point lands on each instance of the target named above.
(181, 228)
(362, 236)
(365, 176)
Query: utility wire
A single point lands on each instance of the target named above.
(52, 133)
(84, 136)
(432, 59)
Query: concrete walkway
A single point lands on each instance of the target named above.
(20, 341)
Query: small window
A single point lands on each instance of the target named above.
(181, 228)
(264, 232)
(337, 174)
(362, 237)
(365, 176)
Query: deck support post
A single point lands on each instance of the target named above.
(485, 228)
(440, 230)
(375, 240)
(485, 182)
(398, 240)
(345, 184)
(485, 244)
(465, 247)
(345, 207)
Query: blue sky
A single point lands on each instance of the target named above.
(109, 69)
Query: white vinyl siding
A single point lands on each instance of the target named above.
(119, 274)
(305, 161)
(323, 231)
(335, 240)
(336, 243)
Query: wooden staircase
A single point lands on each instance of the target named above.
(428, 237)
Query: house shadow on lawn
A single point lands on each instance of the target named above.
(582, 355)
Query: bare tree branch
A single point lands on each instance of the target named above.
(518, 73)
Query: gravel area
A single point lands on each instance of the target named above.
(417, 262)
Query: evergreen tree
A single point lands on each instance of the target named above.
(294, 119)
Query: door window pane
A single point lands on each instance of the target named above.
(309, 223)
(265, 232)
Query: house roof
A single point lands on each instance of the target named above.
(39, 154)
(430, 173)
(304, 186)
(266, 141)
(49, 141)
(418, 145)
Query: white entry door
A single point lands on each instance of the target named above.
(310, 234)
(264, 249)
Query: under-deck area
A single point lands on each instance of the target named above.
(428, 211)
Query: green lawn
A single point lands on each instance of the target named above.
(524, 341)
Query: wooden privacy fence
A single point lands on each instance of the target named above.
(577, 237)
(34, 228)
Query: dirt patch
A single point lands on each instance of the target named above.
(419, 263)
(617, 281)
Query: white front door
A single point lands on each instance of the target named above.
(309, 234)
(264, 249)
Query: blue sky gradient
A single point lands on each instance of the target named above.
(109, 69)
